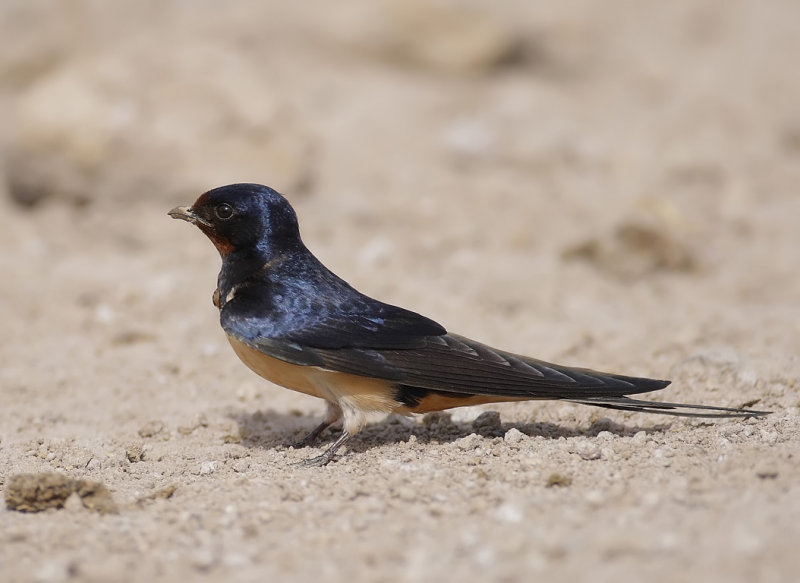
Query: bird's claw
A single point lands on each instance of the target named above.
(317, 461)
(328, 455)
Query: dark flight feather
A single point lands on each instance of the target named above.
(455, 364)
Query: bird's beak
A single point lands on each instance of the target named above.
(187, 214)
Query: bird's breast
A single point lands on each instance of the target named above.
(363, 393)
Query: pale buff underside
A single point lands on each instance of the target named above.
(355, 395)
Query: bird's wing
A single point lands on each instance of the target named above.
(410, 350)
(381, 341)
(452, 363)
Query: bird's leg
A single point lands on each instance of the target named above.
(327, 456)
(312, 436)
(332, 415)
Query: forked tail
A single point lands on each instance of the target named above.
(677, 409)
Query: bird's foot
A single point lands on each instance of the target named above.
(318, 461)
(327, 456)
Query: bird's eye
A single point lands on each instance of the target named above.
(224, 211)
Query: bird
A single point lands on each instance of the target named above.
(295, 323)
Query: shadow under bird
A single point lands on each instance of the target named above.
(297, 324)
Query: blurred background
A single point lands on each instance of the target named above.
(485, 151)
(610, 184)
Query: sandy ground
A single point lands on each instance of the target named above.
(612, 185)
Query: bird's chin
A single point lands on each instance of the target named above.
(186, 213)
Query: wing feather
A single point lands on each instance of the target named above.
(461, 365)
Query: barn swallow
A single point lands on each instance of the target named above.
(298, 325)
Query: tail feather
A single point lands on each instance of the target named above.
(676, 409)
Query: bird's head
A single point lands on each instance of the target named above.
(244, 217)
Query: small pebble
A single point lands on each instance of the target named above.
(513, 435)
(487, 422)
(471, 441)
(240, 466)
(151, 429)
(134, 452)
(557, 479)
(587, 450)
